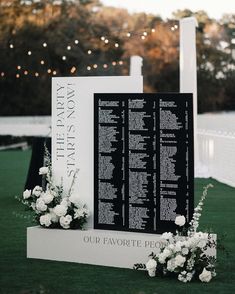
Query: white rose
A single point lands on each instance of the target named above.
(54, 217)
(180, 220)
(171, 247)
(151, 265)
(60, 210)
(37, 191)
(178, 246)
(45, 220)
(26, 194)
(47, 197)
(179, 260)
(40, 205)
(205, 276)
(185, 251)
(43, 170)
(65, 202)
(171, 265)
(166, 236)
(166, 252)
(152, 272)
(65, 221)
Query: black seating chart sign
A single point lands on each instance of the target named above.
(144, 170)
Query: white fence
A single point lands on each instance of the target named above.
(217, 155)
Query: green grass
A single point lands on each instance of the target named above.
(21, 275)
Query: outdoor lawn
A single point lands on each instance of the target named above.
(21, 275)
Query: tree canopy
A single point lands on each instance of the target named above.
(42, 39)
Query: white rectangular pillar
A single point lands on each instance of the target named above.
(188, 68)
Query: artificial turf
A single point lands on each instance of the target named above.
(21, 275)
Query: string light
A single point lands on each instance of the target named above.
(49, 70)
(54, 72)
(145, 33)
(2, 74)
(176, 27)
(17, 76)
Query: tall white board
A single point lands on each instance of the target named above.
(72, 128)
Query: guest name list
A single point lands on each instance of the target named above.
(143, 161)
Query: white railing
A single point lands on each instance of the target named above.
(217, 155)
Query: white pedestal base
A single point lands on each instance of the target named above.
(107, 248)
(97, 247)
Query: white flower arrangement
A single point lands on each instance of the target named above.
(184, 254)
(51, 206)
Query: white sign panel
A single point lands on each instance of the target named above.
(73, 128)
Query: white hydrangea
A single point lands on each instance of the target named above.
(45, 220)
(205, 276)
(80, 212)
(43, 170)
(60, 210)
(185, 276)
(180, 220)
(37, 191)
(40, 205)
(65, 221)
(179, 260)
(26, 194)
